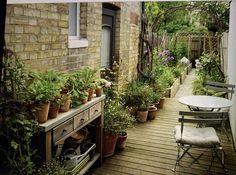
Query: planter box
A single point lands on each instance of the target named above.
(189, 67)
(170, 92)
(183, 75)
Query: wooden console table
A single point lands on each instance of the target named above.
(55, 131)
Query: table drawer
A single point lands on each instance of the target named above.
(62, 130)
(80, 119)
(94, 110)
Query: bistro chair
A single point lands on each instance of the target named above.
(224, 89)
(190, 137)
(227, 90)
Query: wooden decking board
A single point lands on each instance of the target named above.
(151, 149)
(144, 167)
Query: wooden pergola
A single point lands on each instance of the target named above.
(210, 42)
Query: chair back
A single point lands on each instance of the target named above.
(202, 117)
(220, 87)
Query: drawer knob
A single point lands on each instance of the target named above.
(64, 130)
(95, 111)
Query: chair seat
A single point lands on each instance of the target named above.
(203, 137)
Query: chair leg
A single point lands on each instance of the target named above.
(177, 160)
(185, 151)
(221, 160)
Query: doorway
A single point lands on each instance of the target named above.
(108, 37)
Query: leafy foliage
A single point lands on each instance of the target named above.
(116, 118)
(51, 168)
(17, 128)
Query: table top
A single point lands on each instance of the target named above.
(204, 101)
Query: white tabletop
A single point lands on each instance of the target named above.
(204, 101)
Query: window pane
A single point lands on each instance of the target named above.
(72, 19)
(105, 50)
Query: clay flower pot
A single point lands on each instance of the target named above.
(65, 106)
(142, 116)
(109, 144)
(152, 112)
(90, 94)
(121, 140)
(98, 92)
(41, 111)
(161, 103)
(53, 111)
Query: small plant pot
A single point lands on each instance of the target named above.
(90, 94)
(161, 103)
(98, 92)
(156, 104)
(41, 111)
(142, 116)
(109, 144)
(121, 140)
(65, 106)
(84, 101)
(53, 111)
(152, 112)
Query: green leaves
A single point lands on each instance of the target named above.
(116, 118)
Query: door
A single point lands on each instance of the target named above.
(108, 37)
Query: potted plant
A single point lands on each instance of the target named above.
(88, 75)
(116, 121)
(54, 107)
(41, 92)
(143, 100)
(126, 121)
(156, 98)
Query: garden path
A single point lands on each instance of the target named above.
(151, 148)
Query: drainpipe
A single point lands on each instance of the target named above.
(3, 7)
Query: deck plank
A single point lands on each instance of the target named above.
(151, 149)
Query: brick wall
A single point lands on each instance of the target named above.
(38, 33)
(128, 27)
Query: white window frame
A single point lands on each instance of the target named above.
(76, 41)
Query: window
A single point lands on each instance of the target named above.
(74, 27)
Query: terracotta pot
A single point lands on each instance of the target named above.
(98, 92)
(121, 140)
(41, 111)
(142, 116)
(65, 106)
(84, 101)
(53, 111)
(152, 113)
(90, 94)
(161, 103)
(109, 144)
(156, 104)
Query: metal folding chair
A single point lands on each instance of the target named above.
(226, 89)
(188, 138)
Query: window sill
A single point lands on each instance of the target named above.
(77, 43)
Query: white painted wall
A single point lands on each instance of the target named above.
(232, 64)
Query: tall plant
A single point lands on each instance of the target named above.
(17, 128)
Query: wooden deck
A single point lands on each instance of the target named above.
(151, 149)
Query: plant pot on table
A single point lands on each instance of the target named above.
(41, 111)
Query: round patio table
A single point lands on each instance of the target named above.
(205, 102)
